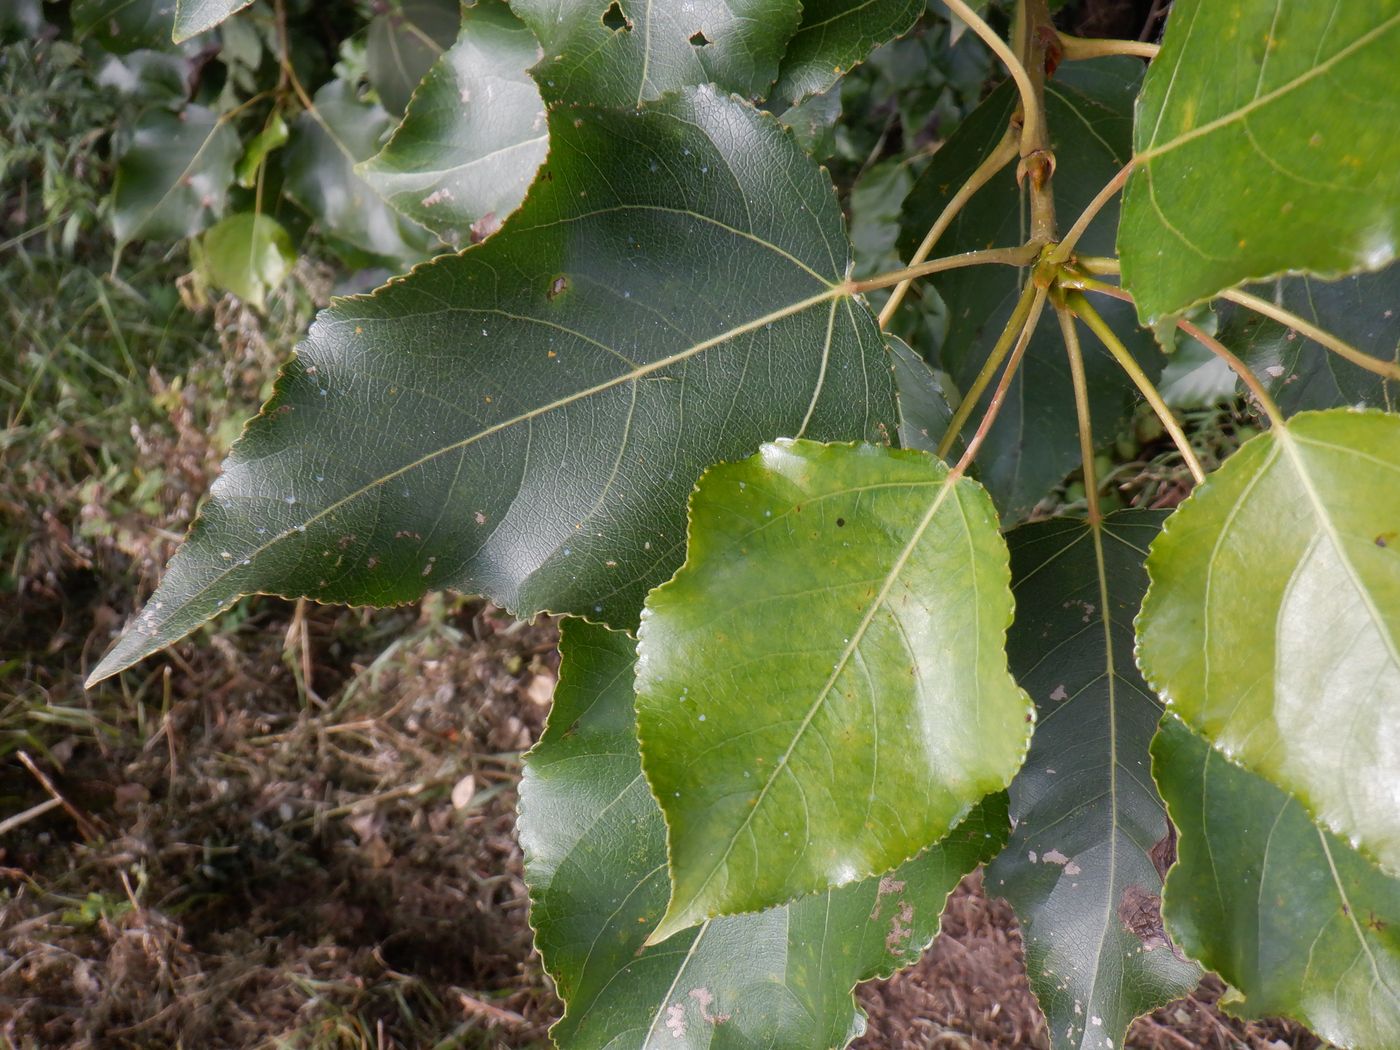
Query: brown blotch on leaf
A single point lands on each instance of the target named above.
(1163, 854)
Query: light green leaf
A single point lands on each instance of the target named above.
(193, 17)
(925, 406)
(270, 139)
(1034, 442)
(404, 43)
(1297, 922)
(1363, 310)
(595, 861)
(248, 255)
(474, 133)
(1265, 144)
(626, 52)
(836, 35)
(1273, 619)
(822, 687)
(525, 419)
(174, 174)
(1080, 868)
(320, 165)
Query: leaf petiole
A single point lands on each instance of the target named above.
(1074, 48)
(1246, 374)
(1065, 248)
(1023, 255)
(1081, 410)
(1388, 369)
(1034, 120)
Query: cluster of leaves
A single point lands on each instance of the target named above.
(818, 662)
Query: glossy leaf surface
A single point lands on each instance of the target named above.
(248, 255)
(122, 26)
(474, 133)
(193, 17)
(1034, 442)
(534, 438)
(174, 174)
(626, 52)
(320, 177)
(809, 680)
(595, 860)
(1273, 618)
(835, 35)
(1295, 920)
(1363, 310)
(1080, 867)
(1266, 144)
(925, 410)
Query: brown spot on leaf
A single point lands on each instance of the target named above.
(1163, 854)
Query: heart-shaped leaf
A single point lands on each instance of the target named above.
(1254, 155)
(1272, 625)
(1295, 920)
(595, 860)
(1084, 866)
(525, 419)
(822, 688)
(474, 133)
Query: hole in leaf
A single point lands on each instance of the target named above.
(615, 20)
(840, 523)
(699, 39)
(558, 286)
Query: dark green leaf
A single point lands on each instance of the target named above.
(404, 43)
(474, 133)
(21, 19)
(158, 77)
(121, 26)
(320, 165)
(1034, 442)
(174, 174)
(1266, 144)
(595, 859)
(1363, 310)
(193, 17)
(1080, 868)
(1273, 622)
(808, 681)
(1297, 922)
(526, 418)
(834, 36)
(248, 255)
(626, 52)
(925, 407)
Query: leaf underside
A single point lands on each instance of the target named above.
(525, 419)
(1266, 144)
(1296, 921)
(1080, 868)
(822, 688)
(595, 861)
(1272, 625)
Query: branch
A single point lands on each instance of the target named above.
(1014, 325)
(1114, 345)
(1081, 410)
(1002, 155)
(999, 395)
(1387, 369)
(1022, 255)
(1075, 48)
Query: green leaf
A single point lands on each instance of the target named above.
(122, 26)
(1034, 442)
(320, 165)
(834, 36)
(404, 43)
(925, 408)
(174, 174)
(525, 419)
(595, 861)
(248, 255)
(1273, 618)
(156, 77)
(1297, 922)
(474, 133)
(1087, 817)
(808, 683)
(1265, 144)
(193, 17)
(1363, 310)
(270, 139)
(626, 52)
